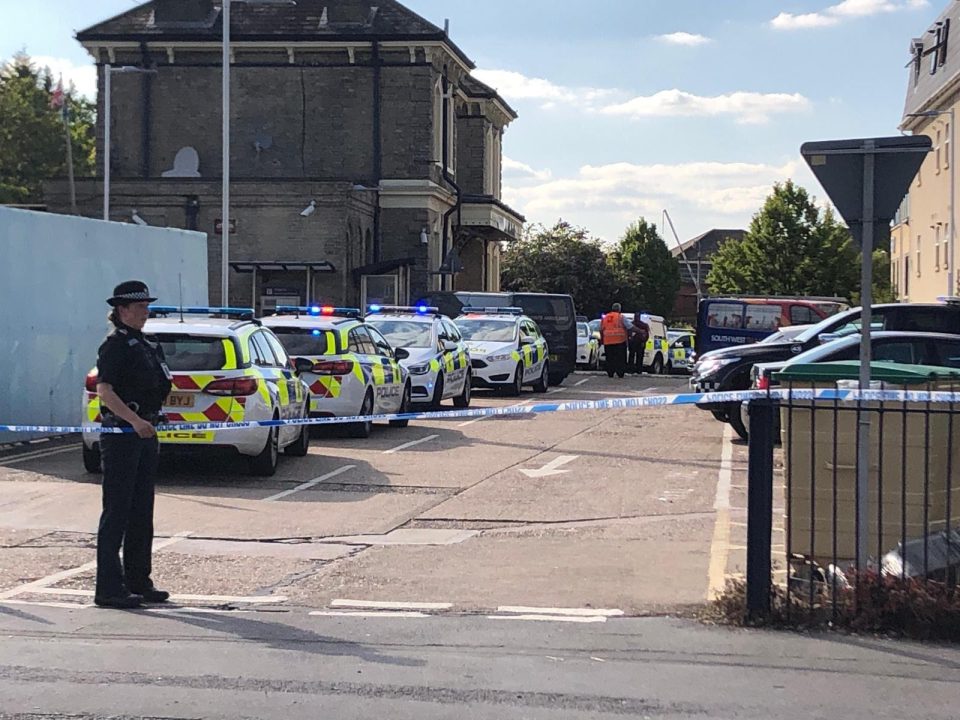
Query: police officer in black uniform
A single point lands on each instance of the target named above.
(133, 381)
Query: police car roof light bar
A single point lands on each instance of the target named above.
(414, 309)
(949, 299)
(493, 310)
(232, 312)
(318, 311)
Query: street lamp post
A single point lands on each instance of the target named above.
(950, 255)
(225, 192)
(108, 71)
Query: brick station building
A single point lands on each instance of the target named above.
(364, 158)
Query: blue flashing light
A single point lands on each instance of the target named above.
(316, 332)
(230, 311)
(318, 310)
(423, 309)
(315, 310)
(375, 308)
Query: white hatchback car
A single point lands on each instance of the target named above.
(226, 367)
(507, 349)
(353, 369)
(437, 359)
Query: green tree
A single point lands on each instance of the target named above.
(647, 275)
(882, 287)
(32, 141)
(561, 259)
(791, 248)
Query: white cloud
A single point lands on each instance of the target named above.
(845, 10)
(747, 107)
(83, 77)
(684, 38)
(516, 86)
(606, 198)
(515, 169)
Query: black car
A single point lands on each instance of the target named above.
(730, 369)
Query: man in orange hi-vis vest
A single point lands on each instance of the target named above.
(614, 329)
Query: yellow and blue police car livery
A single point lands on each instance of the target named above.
(682, 349)
(354, 370)
(225, 367)
(507, 349)
(437, 359)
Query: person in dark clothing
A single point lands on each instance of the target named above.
(637, 345)
(133, 381)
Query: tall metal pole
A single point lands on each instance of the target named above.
(106, 142)
(225, 209)
(866, 317)
(951, 270)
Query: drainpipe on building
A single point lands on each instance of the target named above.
(446, 245)
(146, 118)
(377, 151)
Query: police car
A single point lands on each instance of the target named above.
(507, 349)
(437, 360)
(226, 368)
(353, 369)
(588, 347)
(682, 345)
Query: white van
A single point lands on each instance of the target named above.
(657, 352)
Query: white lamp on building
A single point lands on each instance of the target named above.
(108, 72)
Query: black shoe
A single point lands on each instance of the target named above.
(152, 595)
(126, 601)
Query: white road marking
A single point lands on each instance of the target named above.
(371, 604)
(370, 614)
(555, 390)
(64, 574)
(719, 547)
(310, 483)
(487, 417)
(551, 468)
(585, 380)
(410, 444)
(571, 612)
(252, 599)
(69, 606)
(551, 618)
(36, 455)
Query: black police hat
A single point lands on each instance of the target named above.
(130, 291)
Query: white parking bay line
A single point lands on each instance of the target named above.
(248, 599)
(370, 613)
(569, 612)
(410, 444)
(309, 484)
(487, 417)
(370, 604)
(37, 455)
(551, 618)
(585, 380)
(64, 574)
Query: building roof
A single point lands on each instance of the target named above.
(477, 89)
(704, 246)
(317, 20)
(931, 52)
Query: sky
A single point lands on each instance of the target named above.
(628, 108)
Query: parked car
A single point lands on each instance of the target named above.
(588, 348)
(682, 348)
(730, 369)
(897, 346)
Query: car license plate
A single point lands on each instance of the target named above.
(185, 436)
(179, 400)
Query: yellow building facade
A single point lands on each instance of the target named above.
(923, 243)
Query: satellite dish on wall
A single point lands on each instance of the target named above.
(185, 164)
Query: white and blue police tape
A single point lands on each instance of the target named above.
(624, 403)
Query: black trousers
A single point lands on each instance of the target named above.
(635, 358)
(129, 472)
(616, 359)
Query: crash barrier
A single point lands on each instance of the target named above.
(911, 513)
(624, 403)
